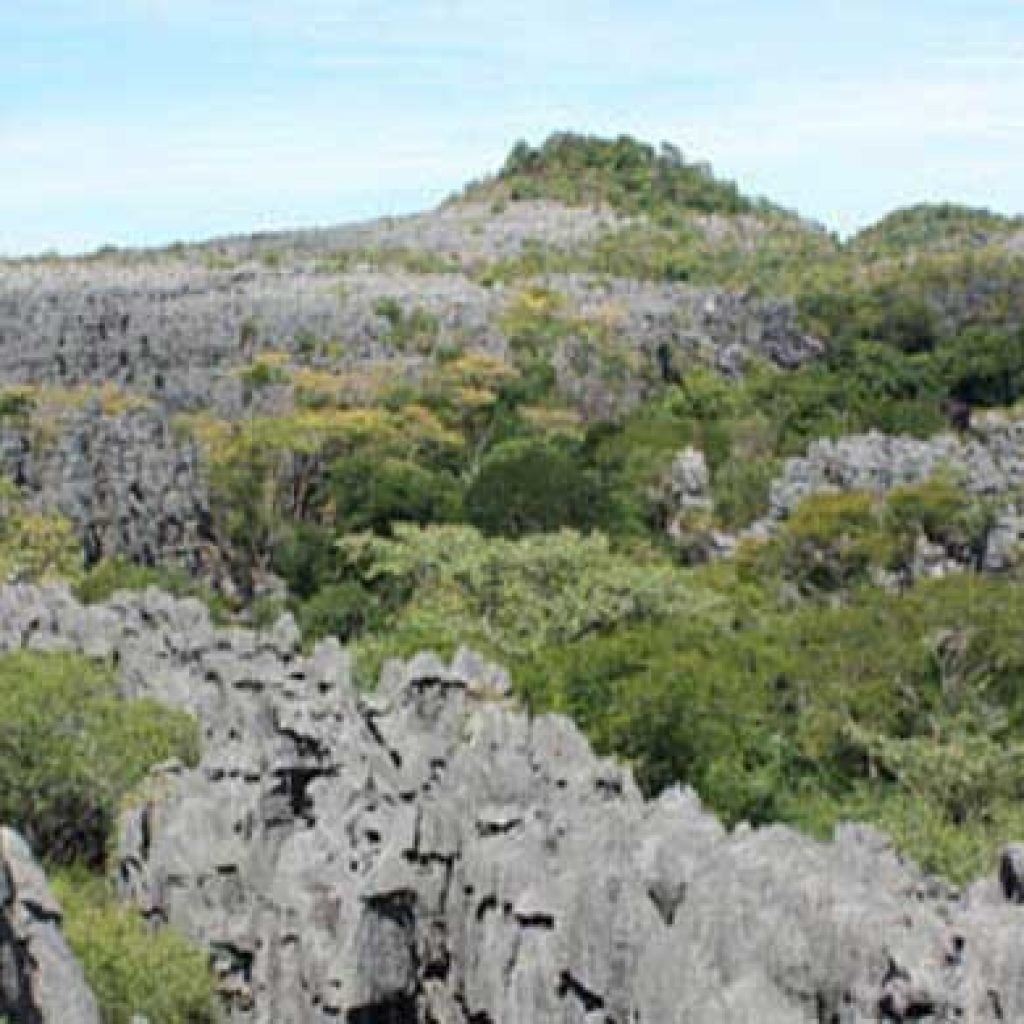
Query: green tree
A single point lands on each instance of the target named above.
(70, 749)
(132, 970)
(531, 485)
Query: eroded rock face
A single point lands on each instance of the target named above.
(40, 980)
(989, 461)
(128, 483)
(428, 853)
(176, 331)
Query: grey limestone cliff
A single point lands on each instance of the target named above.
(174, 331)
(430, 853)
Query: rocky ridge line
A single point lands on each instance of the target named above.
(430, 853)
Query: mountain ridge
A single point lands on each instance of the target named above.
(742, 501)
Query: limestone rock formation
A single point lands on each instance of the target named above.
(988, 461)
(40, 980)
(430, 853)
(175, 331)
(126, 482)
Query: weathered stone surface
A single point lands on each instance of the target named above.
(40, 980)
(127, 483)
(687, 484)
(175, 329)
(430, 853)
(988, 461)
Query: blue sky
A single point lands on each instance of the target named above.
(146, 121)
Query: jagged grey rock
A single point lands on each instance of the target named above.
(989, 461)
(687, 484)
(128, 483)
(430, 853)
(41, 982)
(175, 329)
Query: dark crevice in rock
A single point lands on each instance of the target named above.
(396, 758)
(488, 905)
(570, 986)
(306, 746)
(544, 922)
(493, 829)
(479, 1017)
(15, 978)
(401, 1010)
(996, 1003)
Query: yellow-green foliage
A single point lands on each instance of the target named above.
(34, 546)
(42, 409)
(133, 970)
(512, 597)
(834, 541)
(315, 431)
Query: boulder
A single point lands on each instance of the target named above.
(41, 982)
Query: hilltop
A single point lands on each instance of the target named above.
(743, 500)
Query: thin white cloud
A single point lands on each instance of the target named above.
(407, 98)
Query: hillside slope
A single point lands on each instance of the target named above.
(742, 500)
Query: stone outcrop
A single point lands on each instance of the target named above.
(987, 461)
(130, 486)
(430, 853)
(465, 232)
(174, 332)
(177, 333)
(40, 980)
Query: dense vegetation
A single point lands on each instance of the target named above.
(133, 971)
(70, 752)
(810, 678)
(630, 176)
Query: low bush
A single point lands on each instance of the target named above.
(70, 750)
(132, 970)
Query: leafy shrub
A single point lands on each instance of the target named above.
(35, 546)
(263, 374)
(132, 970)
(346, 610)
(369, 492)
(389, 309)
(453, 585)
(110, 575)
(829, 543)
(533, 486)
(741, 490)
(984, 367)
(16, 406)
(70, 749)
(940, 511)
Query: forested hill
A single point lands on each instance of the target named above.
(742, 499)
